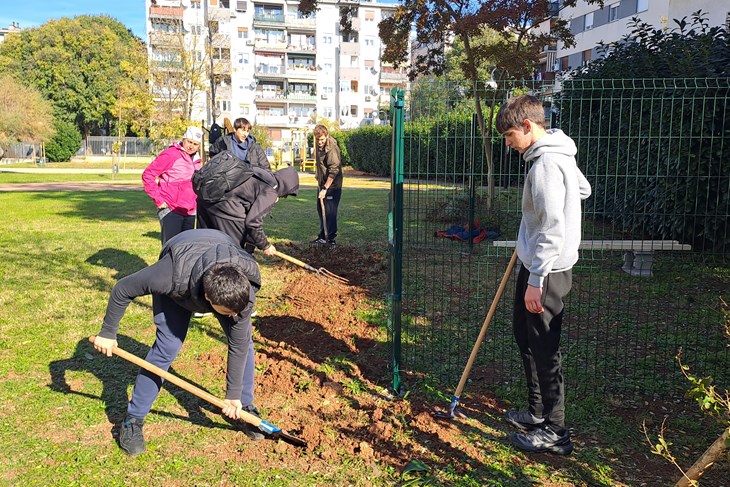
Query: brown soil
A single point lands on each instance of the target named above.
(326, 376)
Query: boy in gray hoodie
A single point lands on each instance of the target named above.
(547, 247)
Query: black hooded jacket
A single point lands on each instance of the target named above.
(255, 154)
(178, 274)
(251, 202)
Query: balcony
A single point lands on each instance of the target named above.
(221, 40)
(350, 48)
(272, 120)
(293, 22)
(269, 71)
(270, 46)
(302, 97)
(269, 95)
(302, 72)
(263, 19)
(222, 66)
(392, 75)
(159, 12)
(166, 39)
(297, 48)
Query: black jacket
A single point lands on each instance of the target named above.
(255, 155)
(251, 202)
(178, 274)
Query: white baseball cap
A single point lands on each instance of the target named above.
(194, 134)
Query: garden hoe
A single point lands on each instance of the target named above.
(268, 428)
(454, 412)
(322, 272)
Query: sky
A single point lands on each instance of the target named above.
(32, 13)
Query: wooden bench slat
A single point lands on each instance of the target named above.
(636, 245)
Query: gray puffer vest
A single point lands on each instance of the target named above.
(193, 252)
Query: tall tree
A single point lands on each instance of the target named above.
(82, 65)
(25, 116)
(178, 74)
(513, 49)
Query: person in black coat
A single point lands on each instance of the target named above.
(242, 145)
(200, 271)
(241, 214)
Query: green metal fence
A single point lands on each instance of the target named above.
(657, 154)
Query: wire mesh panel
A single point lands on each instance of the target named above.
(653, 263)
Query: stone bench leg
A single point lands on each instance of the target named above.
(638, 263)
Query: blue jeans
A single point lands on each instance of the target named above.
(172, 321)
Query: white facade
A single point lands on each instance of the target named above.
(592, 25)
(283, 71)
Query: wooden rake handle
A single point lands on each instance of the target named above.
(485, 326)
(206, 396)
(294, 261)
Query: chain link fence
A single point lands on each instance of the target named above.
(654, 262)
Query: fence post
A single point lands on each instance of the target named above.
(395, 230)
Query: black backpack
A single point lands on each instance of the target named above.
(222, 173)
(215, 133)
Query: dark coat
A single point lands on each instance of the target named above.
(250, 202)
(255, 154)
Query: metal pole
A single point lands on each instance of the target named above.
(395, 230)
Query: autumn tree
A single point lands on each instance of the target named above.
(25, 116)
(178, 75)
(83, 65)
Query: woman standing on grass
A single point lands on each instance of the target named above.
(167, 180)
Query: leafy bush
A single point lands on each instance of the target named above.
(65, 143)
(652, 117)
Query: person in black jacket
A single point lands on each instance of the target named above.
(241, 214)
(242, 145)
(197, 271)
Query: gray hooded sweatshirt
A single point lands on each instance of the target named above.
(550, 230)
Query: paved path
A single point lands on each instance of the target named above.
(306, 180)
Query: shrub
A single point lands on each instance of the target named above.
(65, 143)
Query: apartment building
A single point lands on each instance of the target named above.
(591, 25)
(266, 62)
(14, 27)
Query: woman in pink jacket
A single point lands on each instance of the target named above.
(167, 181)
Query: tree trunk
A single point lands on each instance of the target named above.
(705, 462)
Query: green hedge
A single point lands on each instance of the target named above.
(65, 143)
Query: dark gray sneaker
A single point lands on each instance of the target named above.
(251, 431)
(543, 439)
(131, 437)
(523, 420)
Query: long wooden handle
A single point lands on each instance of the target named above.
(485, 326)
(206, 396)
(294, 261)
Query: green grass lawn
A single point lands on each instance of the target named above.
(62, 253)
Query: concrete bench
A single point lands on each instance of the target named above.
(638, 254)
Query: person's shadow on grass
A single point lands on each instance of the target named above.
(116, 376)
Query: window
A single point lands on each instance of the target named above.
(589, 21)
(195, 4)
(223, 105)
(327, 39)
(327, 89)
(353, 110)
(344, 86)
(369, 16)
(244, 109)
(613, 12)
(328, 66)
(369, 42)
(353, 61)
(243, 32)
(642, 5)
(196, 30)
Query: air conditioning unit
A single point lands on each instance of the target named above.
(250, 42)
(367, 98)
(324, 96)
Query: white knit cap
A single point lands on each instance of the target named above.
(194, 134)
